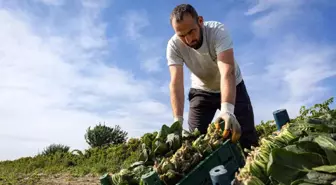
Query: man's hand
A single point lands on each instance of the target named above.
(179, 119)
(231, 125)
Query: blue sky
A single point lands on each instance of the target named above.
(66, 65)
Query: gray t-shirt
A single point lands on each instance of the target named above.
(202, 63)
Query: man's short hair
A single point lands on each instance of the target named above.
(181, 10)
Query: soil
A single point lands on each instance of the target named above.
(65, 179)
(56, 179)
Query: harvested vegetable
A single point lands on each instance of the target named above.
(174, 168)
(252, 180)
(302, 152)
(326, 168)
(172, 153)
(195, 147)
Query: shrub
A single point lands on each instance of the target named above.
(265, 128)
(54, 148)
(316, 110)
(102, 135)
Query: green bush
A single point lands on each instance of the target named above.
(265, 128)
(316, 110)
(102, 135)
(54, 148)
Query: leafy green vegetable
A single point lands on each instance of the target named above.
(196, 132)
(326, 168)
(176, 127)
(171, 177)
(165, 130)
(160, 147)
(302, 152)
(147, 140)
(202, 145)
(329, 146)
(174, 141)
(320, 177)
(124, 177)
(305, 147)
(286, 166)
(186, 134)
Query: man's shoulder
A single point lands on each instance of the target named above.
(213, 24)
(174, 43)
(173, 40)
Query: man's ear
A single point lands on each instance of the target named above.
(200, 20)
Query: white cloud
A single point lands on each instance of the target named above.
(84, 3)
(54, 84)
(263, 5)
(152, 64)
(52, 2)
(288, 71)
(134, 22)
(265, 25)
(303, 68)
(95, 3)
(151, 48)
(277, 14)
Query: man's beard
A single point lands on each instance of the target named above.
(199, 43)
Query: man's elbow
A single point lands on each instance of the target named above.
(227, 72)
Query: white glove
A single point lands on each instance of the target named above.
(179, 118)
(231, 123)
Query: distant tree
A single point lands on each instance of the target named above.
(102, 135)
(54, 148)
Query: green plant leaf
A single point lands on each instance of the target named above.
(286, 166)
(329, 146)
(163, 132)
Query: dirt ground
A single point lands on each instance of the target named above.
(65, 179)
(57, 179)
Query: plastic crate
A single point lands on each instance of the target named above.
(151, 178)
(227, 154)
(106, 179)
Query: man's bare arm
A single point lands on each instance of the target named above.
(228, 80)
(176, 87)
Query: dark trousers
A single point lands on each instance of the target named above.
(203, 106)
